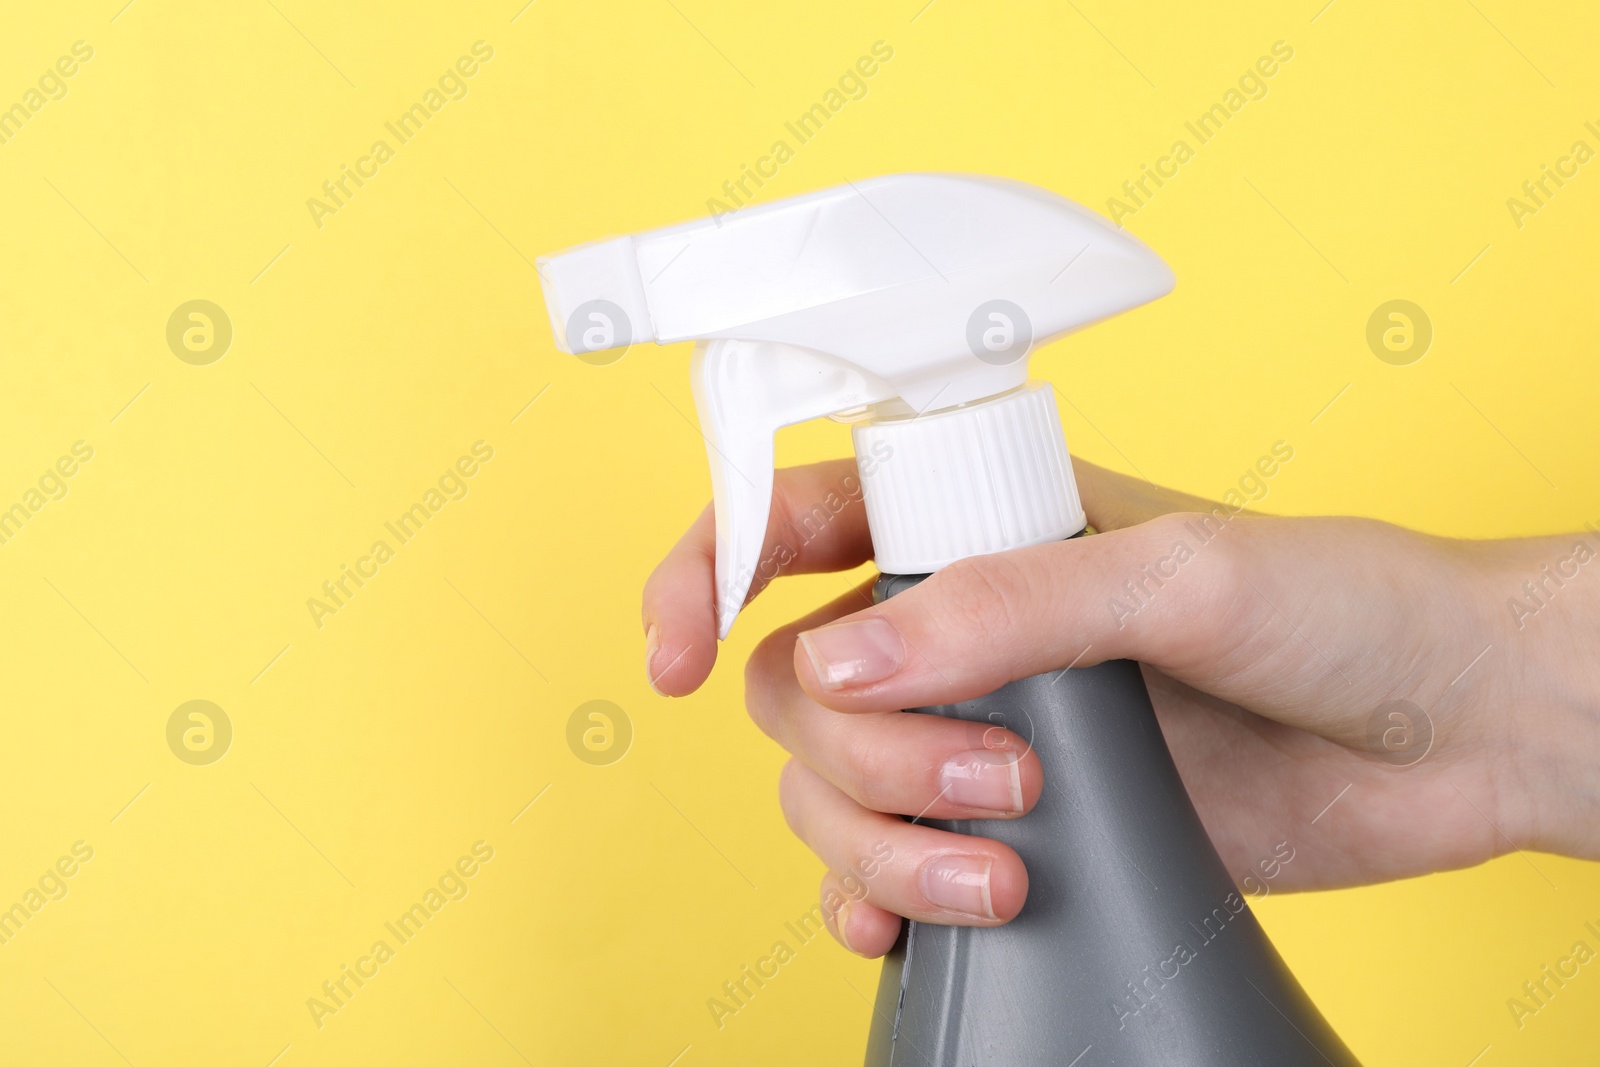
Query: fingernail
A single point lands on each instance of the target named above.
(959, 884)
(652, 643)
(854, 653)
(841, 925)
(988, 780)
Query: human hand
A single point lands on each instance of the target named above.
(1271, 648)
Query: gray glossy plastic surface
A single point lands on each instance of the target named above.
(1134, 948)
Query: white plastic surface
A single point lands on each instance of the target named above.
(997, 471)
(883, 290)
(745, 392)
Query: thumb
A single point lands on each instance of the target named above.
(1166, 592)
(1309, 621)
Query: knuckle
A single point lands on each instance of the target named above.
(870, 768)
(1222, 566)
(981, 595)
(1205, 553)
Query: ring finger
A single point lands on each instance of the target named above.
(908, 869)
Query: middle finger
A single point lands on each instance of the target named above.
(892, 762)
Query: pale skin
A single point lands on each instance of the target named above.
(1266, 657)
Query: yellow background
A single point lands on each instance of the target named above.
(370, 353)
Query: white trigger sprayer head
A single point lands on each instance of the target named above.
(921, 294)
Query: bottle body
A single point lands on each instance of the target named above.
(1134, 947)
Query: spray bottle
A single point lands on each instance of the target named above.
(907, 305)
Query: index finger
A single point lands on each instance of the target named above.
(817, 523)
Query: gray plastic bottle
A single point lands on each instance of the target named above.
(1134, 948)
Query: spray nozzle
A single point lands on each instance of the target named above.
(915, 294)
